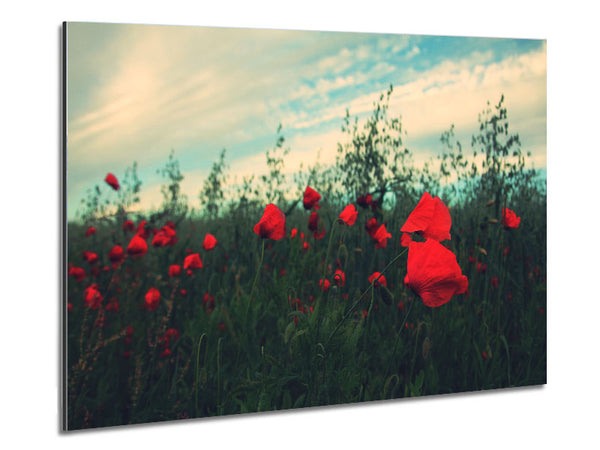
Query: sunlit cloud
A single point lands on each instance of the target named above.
(147, 90)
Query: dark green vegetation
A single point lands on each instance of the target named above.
(286, 344)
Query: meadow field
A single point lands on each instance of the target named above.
(371, 279)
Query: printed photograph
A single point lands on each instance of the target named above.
(265, 220)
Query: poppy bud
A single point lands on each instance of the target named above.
(490, 203)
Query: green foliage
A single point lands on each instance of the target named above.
(174, 202)
(373, 161)
(212, 193)
(274, 182)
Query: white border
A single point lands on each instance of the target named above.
(563, 413)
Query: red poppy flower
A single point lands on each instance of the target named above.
(481, 268)
(431, 218)
(165, 236)
(92, 297)
(494, 281)
(137, 246)
(381, 281)
(311, 198)
(77, 272)
(348, 215)
(142, 231)
(319, 234)
(90, 257)
(324, 286)
(381, 236)
(305, 246)
(175, 270)
(128, 225)
(113, 305)
(510, 219)
(339, 277)
(208, 302)
(116, 254)
(170, 334)
(433, 273)
(165, 353)
(151, 299)
(405, 240)
(293, 233)
(90, 231)
(364, 201)
(209, 242)
(112, 181)
(371, 226)
(192, 261)
(272, 223)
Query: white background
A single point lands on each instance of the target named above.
(563, 413)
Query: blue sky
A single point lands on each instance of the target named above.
(136, 91)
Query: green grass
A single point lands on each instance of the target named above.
(260, 350)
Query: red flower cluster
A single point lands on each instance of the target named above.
(272, 223)
(90, 231)
(165, 236)
(432, 271)
(112, 181)
(170, 335)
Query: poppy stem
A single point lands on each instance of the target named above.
(353, 307)
(262, 255)
(398, 338)
(323, 278)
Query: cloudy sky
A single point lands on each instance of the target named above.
(136, 92)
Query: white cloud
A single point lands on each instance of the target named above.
(156, 91)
